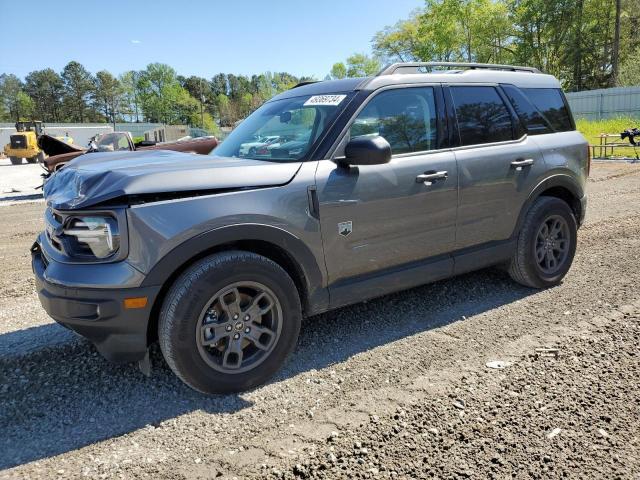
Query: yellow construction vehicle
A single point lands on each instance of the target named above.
(24, 143)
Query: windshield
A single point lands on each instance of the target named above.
(112, 142)
(283, 130)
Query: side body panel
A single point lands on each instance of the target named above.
(165, 234)
(565, 152)
(492, 190)
(395, 220)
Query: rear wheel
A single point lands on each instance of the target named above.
(229, 322)
(546, 244)
(15, 160)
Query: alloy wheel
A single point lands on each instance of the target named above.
(552, 244)
(239, 327)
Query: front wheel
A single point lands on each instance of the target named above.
(15, 160)
(546, 244)
(229, 322)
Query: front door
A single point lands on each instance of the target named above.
(379, 217)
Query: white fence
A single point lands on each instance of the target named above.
(605, 103)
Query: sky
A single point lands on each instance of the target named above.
(195, 37)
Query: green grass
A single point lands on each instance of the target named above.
(592, 129)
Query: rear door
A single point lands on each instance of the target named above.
(498, 164)
(378, 217)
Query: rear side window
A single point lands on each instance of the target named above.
(550, 102)
(531, 118)
(482, 115)
(406, 118)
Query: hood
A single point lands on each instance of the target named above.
(92, 179)
(54, 146)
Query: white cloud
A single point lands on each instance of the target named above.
(136, 41)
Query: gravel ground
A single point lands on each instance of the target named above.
(397, 387)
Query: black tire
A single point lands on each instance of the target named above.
(32, 160)
(15, 160)
(252, 152)
(191, 295)
(525, 268)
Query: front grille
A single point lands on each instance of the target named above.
(18, 141)
(45, 260)
(53, 224)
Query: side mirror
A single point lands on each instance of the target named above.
(367, 151)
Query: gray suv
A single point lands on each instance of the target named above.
(366, 186)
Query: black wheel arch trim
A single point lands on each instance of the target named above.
(316, 294)
(557, 180)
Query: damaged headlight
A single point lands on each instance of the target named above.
(92, 236)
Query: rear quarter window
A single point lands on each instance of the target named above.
(534, 122)
(551, 104)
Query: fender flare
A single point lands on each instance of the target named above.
(558, 180)
(317, 295)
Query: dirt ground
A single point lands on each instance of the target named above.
(397, 387)
(19, 182)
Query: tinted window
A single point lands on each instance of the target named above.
(532, 119)
(482, 115)
(406, 118)
(550, 102)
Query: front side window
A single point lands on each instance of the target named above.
(482, 115)
(283, 130)
(550, 102)
(406, 118)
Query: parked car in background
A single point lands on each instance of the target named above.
(395, 181)
(61, 152)
(259, 143)
(291, 148)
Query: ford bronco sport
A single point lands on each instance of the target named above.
(375, 185)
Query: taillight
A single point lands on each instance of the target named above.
(588, 159)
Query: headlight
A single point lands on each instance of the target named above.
(92, 236)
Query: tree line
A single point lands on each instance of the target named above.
(587, 44)
(155, 94)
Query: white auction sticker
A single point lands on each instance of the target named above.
(325, 100)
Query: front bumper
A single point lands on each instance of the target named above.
(98, 314)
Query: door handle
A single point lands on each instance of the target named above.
(429, 177)
(518, 164)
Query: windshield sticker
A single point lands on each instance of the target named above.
(325, 100)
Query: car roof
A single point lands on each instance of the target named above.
(522, 79)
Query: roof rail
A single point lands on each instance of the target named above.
(302, 84)
(414, 67)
